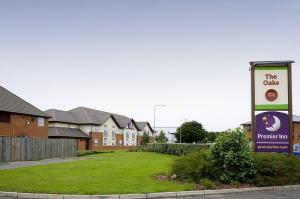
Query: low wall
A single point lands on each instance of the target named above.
(14, 149)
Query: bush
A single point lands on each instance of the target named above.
(91, 152)
(208, 184)
(276, 169)
(232, 158)
(193, 167)
(174, 149)
(145, 139)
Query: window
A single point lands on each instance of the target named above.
(105, 134)
(133, 137)
(127, 135)
(248, 127)
(96, 142)
(4, 117)
(105, 131)
(41, 121)
(113, 133)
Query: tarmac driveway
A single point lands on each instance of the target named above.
(14, 165)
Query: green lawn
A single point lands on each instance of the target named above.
(111, 173)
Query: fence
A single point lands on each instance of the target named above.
(22, 149)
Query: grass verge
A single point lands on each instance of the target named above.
(120, 172)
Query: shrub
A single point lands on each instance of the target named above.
(161, 137)
(91, 152)
(193, 167)
(145, 139)
(175, 149)
(208, 184)
(232, 158)
(276, 169)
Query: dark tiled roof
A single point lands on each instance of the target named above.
(66, 132)
(9, 102)
(122, 120)
(93, 116)
(142, 125)
(78, 116)
(83, 115)
(61, 116)
(90, 116)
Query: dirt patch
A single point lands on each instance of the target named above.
(218, 185)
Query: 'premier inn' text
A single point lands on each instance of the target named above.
(272, 136)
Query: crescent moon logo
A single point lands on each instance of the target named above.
(275, 126)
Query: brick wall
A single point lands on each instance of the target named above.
(100, 146)
(296, 133)
(81, 144)
(24, 126)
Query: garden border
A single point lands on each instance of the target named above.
(144, 196)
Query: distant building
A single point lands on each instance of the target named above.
(94, 129)
(145, 127)
(18, 118)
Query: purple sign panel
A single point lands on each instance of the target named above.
(272, 132)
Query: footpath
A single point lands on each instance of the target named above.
(277, 192)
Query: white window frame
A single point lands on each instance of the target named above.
(41, 121)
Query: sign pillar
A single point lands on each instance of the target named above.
(271, 106)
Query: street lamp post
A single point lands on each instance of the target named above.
(157, 105)
(182, 121)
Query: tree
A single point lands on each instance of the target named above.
(145, 139)
(161, 137)
(211, 136)
(192, 131)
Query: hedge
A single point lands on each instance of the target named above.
(174, 149)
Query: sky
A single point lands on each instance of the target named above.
(125, 56)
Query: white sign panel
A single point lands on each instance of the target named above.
(271, 88)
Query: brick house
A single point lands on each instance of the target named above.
(94, 129)
(18, 118)
(296, 121)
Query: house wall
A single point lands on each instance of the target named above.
(58, 124)
(86, 128)
(24, 125)
(130, 136)
(297, 133)
(147, 130)
(96, 142)
(73, 126)
(81, 144)
(112, 130)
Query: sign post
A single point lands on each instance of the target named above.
(271, 106)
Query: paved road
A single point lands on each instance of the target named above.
(13, 165)
(278, 194)
(268, 194)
